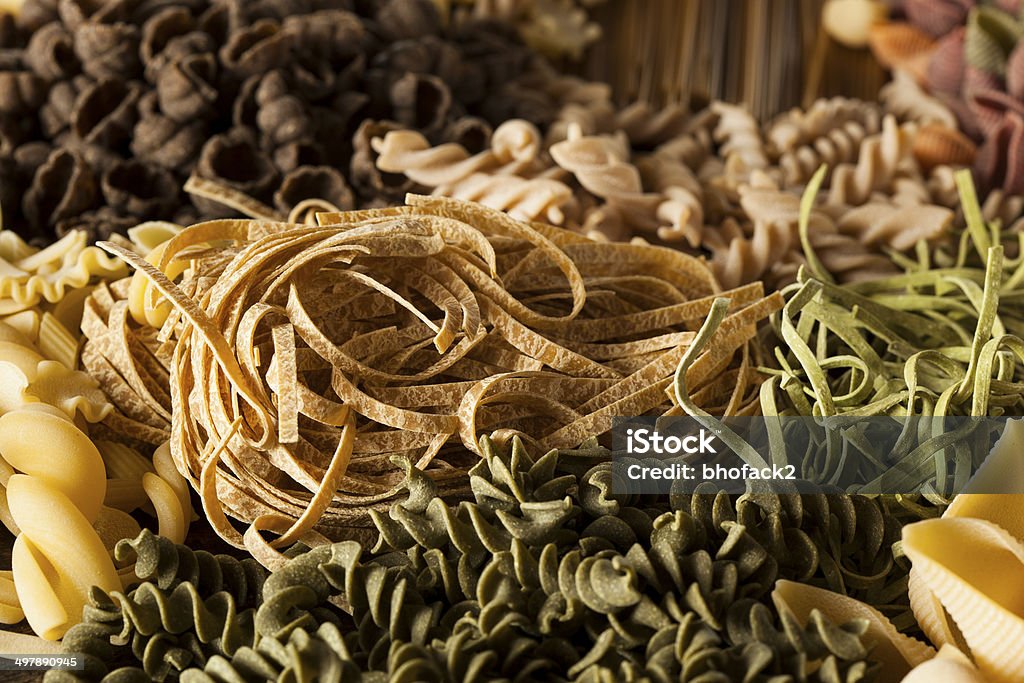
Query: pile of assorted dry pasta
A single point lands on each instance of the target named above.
(316, 317)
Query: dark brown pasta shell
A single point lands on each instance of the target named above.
(99, 224)
(946, 65)
(314, 182)
(1015, 72)
(471, 132)
(233, 159)
(20, 92)
(105, 113)
(366, 178)
(187, 90)
(421, 101)
(289, 157)
(332, 36)
(161, 28)
(140, 190)
(282, 117)
(938, 145)
(108, 50)
(408, 19)
(63, 186)
(255, 49)
(50, 53)
(160, 140)
(936, 17)
(34, 14)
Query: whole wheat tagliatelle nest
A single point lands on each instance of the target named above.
(301, 359)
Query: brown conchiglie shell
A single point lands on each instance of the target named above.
(990, 108)
(108, 50)
(10, 36)
(289, 157)
(159, 29)
(946, 65)
(282, 117)
(421, 101)
(899, 45)
(177, 49)
(938, 145)
(334, 36)
(31, 156)
(55, 114)
(64, 186)
(366, 177)
(138, 189)
(104, 113)
(408, 19)
(471, 132)
(75, 13)
(12, 183)
(34, 14)
(1015, 72)
(256, 49)
(936, 17)
(20, 92)
(99, 224)
(186, 89)
(314, 182)
(1000, 161)
(50, 53)
(168, 143)
(233, 159)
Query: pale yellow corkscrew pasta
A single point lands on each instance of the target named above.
(965, 586)
(508, 176)
(878, 161)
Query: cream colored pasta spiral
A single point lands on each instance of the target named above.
(587, 104)
(878, 161)
(515, 146)
(799, 127)
(692, 147)
(646, 126)
(681, 211)
(739, 137)
(840, 144)
(905, 99)
(527, 199)
(599, 164)
(774, 215)
(900, 227)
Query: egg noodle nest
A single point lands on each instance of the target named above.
(307, 363)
